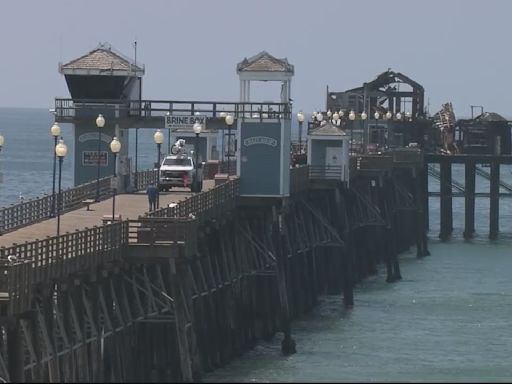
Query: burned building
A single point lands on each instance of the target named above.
(387, 111)
(488, 133)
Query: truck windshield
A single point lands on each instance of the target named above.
(181, 162)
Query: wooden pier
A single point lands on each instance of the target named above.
(171, 294)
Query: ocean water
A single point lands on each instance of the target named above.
(449, 319)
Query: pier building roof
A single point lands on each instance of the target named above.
(327, 129)
(490, 117)
(103, 60)
(264, 62)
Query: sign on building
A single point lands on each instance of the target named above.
(184, 122)
(90, 158)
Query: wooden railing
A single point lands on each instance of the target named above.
(145, 178)
(173, 231)
(204, 206)
(38, 209)
(67, 108)
(326, 172)
(34, 210)
(55, 257)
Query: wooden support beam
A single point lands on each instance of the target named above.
(494, 205)
(288, 345)
(469, 200)
(446, 200)
(181, 332)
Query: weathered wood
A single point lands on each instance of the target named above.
(469, 213)
(181, 321)
(446, 200)
(494, 206)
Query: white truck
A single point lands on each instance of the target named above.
(179, 170)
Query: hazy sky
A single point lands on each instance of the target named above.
(460, 51)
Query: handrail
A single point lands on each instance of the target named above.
(34, 210)
(54, 257)
(65, 107)
(205, 205)
(326, 172)
(40, 208)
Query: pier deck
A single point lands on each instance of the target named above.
(129, 206)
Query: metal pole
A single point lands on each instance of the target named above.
(223, 151)
(59, 202)
(136, 178)
(52, 213)
(300, 137)
(158, 176)
(197, 161)
(169, 141)
(114, 189)
(98, 174)
(229, 150)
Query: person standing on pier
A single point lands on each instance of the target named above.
(152, 192)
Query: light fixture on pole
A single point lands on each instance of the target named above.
(60, 151)
(1, 142)
(336, 118)
(115, 147)
(222, 115)
(197, 130)
(389, 115)
(365, 131)
(229, 122)
(158, 137)
(319, 117)
(136, 176)
(399, 116)
(300, 119)
(169, 135)
(352, 117)
(55, 131)
(100, 123)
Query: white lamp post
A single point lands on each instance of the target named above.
(365, 131)
(115, 147)
(300, 119)
(229, 122)
(197, 130)
(352, 117)
(60, 151)
(158, 137)
(55, 131)
(100, 123)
